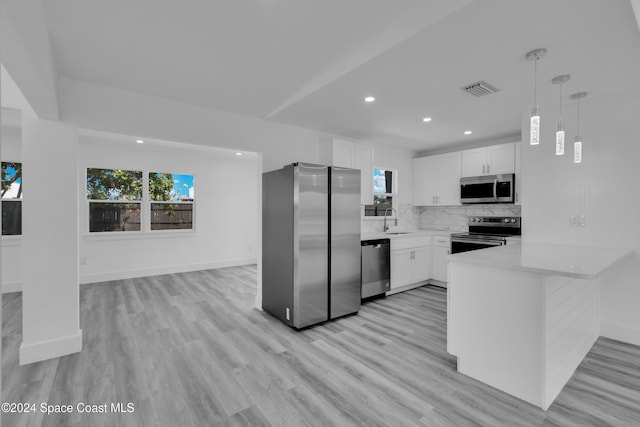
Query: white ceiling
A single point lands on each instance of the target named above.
(310, 63)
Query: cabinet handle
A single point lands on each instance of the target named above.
(516, 197)
(483, 169)
(488, 169)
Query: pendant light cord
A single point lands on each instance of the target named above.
(535, 82)
(578, 117)
(561, 102)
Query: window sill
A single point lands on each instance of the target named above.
(11, 241)
(137, 235)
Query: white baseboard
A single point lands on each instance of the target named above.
(11, 287)
(620, 332)
(43, 350)
(172, 269)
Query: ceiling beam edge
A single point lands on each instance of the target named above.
(635, 4)
(412, 23)
(27, 56)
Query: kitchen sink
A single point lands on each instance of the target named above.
(398, 232)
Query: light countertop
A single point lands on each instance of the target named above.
(408, 234)
(581, 262)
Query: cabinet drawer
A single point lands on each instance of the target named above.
(442, 241)
(410, 243)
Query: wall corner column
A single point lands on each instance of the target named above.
(50, 287)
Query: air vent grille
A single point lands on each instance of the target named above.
(480, 88)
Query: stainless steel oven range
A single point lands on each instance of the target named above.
(485, 232)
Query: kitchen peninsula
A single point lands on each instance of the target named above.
(522, 317)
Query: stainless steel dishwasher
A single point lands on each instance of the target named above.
(376, 267)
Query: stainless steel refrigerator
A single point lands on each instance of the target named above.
(310, 243)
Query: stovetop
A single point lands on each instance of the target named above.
(480, 236)
(491, 227)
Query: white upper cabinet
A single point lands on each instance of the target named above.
(518, 187)
(474, 162)
(493, 160)
(363, 160)
(349, 154)
(448, 167)
(436, 180)
(342, 153)
(424, 181)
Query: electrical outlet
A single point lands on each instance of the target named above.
(577, 220)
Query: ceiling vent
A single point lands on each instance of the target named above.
(480, 88)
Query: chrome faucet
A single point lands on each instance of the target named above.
(386, 227)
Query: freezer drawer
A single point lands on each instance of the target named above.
(376, 267)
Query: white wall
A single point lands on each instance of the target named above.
(402, 160)
(226, 218)
(106, 109)
(604, 188)
(50, 289)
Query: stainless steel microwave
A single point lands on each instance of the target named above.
(488, 189)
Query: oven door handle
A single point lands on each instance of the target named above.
(480, 241)
(495, 189)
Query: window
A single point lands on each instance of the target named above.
(383, 189)
(171, 200)
(11, 199)
(121, 200)
(115, 197)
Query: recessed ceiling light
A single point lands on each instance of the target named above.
(426, 119)
(238, 154)
(369, 99)
(467, 132)
(139, 141)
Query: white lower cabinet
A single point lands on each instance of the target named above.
(410, 262)
(439, 252)
(439, 268)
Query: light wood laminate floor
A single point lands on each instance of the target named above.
(190, 350)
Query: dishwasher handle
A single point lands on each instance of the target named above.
(377, 244)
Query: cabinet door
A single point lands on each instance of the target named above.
(342, 153)
(363, 160)
(439, 264)
(500, 159)
(448, 170)
(474, 162)
(401, 264)
(424, 181)
(420, 264)
(518, 186)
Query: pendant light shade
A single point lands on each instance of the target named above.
(534, 128)
(577, 145)
(560, 80)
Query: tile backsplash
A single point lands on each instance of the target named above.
(443, 218)
(408, 218)
(454, 218)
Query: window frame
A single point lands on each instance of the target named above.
(151, 202)
(110, 201)
(145, 211)
(393, 194)
(8, 237)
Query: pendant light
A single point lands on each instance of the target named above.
(577, 145)
(534, 128)
(560, 80)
